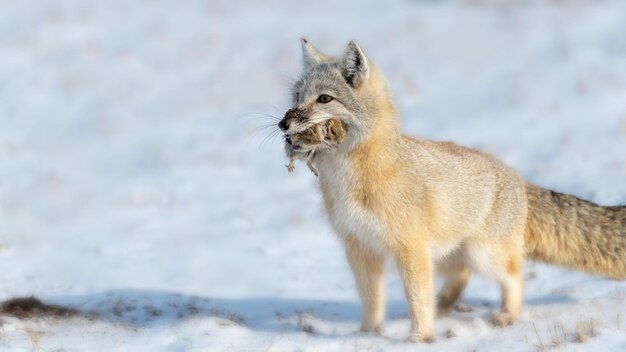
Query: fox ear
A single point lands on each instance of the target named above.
(310, 55)
(354, 67)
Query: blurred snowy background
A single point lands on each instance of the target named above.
(135, 188)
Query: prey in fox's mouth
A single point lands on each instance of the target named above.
(294, 146)
(304, 145)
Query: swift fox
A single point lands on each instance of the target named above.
(434, 206)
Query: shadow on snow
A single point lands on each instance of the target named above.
(146, 308)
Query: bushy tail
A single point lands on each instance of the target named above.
(575, 233)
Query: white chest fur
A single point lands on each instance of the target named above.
(347, 216)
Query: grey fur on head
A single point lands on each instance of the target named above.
(354, 65)
(341, 78)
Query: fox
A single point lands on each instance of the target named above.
(435, 208)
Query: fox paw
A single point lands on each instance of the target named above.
(503, 319)
(415, 338)
(459, 307)
(442, 312)
(378, 329)
(463, 308)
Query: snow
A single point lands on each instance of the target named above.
(136, 186)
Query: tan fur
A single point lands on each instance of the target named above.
(435, 194)
(438, 206)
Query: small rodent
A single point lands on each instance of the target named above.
(303, 145)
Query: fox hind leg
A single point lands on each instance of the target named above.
(512, 287)
(456, 274)
(502, 260)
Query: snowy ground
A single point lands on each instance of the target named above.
(134, 189)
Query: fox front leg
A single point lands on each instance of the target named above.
(368, 269)
(415, 267)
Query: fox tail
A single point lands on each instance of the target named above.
(575, 233)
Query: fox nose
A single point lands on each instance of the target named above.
(283, 125)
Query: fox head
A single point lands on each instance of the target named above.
(348, 88)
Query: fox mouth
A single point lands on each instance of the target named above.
(294, 146)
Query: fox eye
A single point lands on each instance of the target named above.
(297, 97)
(324, 98)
